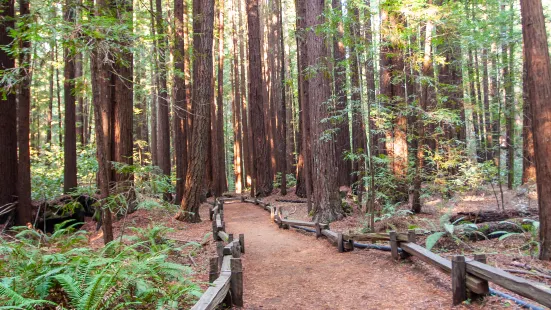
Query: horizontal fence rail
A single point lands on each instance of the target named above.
(468, 275)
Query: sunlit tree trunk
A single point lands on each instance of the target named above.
(237, 109)
(220, 184)
(538, 74)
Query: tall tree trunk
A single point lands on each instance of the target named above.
(343, 135)
(528, 155)
(122, 118)
(538, 74)
(80, 128)
(237, 121)
(261, 157)
(102, 100)
(359, 139)
(508, 76)
(220, 185)
(247, 145)
(163, 121)
(24, 207)
(155, 93)
(203, 93)
(179, 106)
(70, 145)
(50, 112)
(281, 105)
(489, 145)
(327, 204)
(420, 126)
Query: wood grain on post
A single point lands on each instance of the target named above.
(236, 282)
(482, 259)
(230, 238)
(211, 213)
(394, 245)
(318, 230)
(340, 243)
(213, 270)
(242, 242)
(459, 279)
(411, 236)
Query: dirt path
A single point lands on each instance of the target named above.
(285, 269)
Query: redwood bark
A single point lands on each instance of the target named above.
(163, 121)
(70, 145)
(327, 204)
(281, 106)
(237, 110)
(203, 93)
(538, 74)
(528, 156)
(8, 114)
(180, 100)
(261, 157)
(220, 185)
(24, 207)
(343, 134)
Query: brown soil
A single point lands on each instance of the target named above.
(286, 269)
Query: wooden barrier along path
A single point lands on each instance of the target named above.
(469, 276)
(226, 272)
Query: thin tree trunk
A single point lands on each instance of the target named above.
(179, 105)
(237, 122)
(220, 185)
(24, 207)
(282, 106)
(70, 145)
(155, 92)
(528, 155)
(163, 122)
(343, 134)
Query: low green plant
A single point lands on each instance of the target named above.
(59, 271)
(456, 230)
(530, 231)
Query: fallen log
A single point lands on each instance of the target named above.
(291, 200)
(492, 216)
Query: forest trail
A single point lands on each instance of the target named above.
(286, 269)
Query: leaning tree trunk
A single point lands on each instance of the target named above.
(203, 23)
(538, 74)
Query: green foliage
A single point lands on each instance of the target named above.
(530, 231)
(59, 271)
(291, 180)
(457, 231)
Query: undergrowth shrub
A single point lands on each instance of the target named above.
(60, 271)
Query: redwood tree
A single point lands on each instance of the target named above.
(24, 210)
(327, 204)
(538, 75)
(70, 145)
(203, 23)
(8, 116)
(261, 157)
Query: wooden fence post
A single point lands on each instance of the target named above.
(459, 279)
(482, 259)
(215, 231)
(211, 213)
(236, 281)
(213, 271)
(220, 252)
(242, 198)
(411, 236)
(230, 238)
(242, 242)
(394, 245)
(340, 243)
(318, 230)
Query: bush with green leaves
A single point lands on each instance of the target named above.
(59, 271)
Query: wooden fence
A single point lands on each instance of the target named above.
(470, 277)
(226, 270)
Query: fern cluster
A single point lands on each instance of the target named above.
(60, 271)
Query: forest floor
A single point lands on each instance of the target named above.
(286, 269)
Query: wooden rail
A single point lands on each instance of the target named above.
(226, 272)
(467, 275)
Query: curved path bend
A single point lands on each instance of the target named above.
(286, 269)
